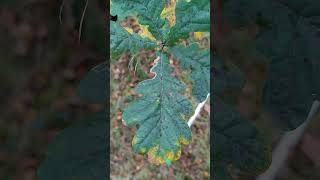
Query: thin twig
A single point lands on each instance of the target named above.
(82, 19)
(135, 67)
(60, 13)
(131, 61)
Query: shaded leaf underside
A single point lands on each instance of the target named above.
(226, 77)
(93, 88)
(237, 141)
(289, 38)
(78, 152)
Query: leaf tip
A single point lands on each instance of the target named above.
(153, 157)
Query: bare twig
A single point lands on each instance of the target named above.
(135, 67)
(60, 13)
(286, 144)
(82, 19)
(131, 62)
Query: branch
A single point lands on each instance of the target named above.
(286, 144)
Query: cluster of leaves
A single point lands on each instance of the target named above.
(287, 38)
(80, 151)
(236, 141)
(162, 110)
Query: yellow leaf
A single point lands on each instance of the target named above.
(198, 35)
(144, 32)
(153, 158)
(169, 12)
(183, 141)
(157, 159)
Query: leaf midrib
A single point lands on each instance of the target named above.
(161, 98)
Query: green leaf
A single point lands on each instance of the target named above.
(192, 57)
(149, 14)
(121, 41)
(226, 77)
(160, 114)
(93, 88)
(147, 11)
(289, 38)
(78, 152)
(123, 8)
(288, 94)
(289, 28)
(237, 141)
(220, 171)
(193, 16)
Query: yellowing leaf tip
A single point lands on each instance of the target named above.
(184, 141)
(169, 12)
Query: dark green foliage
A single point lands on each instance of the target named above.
(78, 152)
(93, 88)
(288, 95)
(220, 171)
(226, 77)
(289, 38)
(236, 141)
(93, 25)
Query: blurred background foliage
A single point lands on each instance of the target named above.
(234, 46)
(42, 62)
